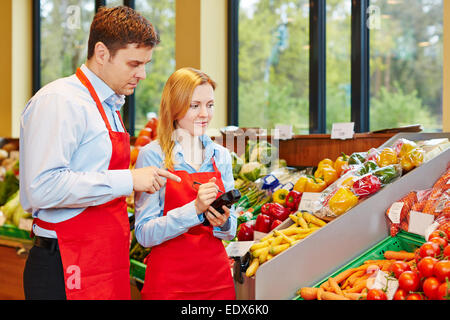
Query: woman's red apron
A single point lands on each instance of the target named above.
(194, 265)
(94, 245)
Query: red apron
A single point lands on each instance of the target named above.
(194, 265)
(94, 245)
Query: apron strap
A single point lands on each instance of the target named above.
(85, 81)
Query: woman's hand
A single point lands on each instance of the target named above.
(206, 195)
(215, 218)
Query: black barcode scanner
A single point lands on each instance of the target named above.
(227, 199)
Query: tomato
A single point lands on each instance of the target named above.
(376, 294)
(398, 267)
(442, 242)
(417, 256)
(429, 249)
(400, 294)
(142, 141)
(134, 154)
(430, 287)
(442, 270)
(145, 132)
(443, 292)
(414, 296)
(447, 251)
(426, 266)
(409, 281)
(439, 234)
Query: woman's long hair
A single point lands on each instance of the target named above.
(175, 102)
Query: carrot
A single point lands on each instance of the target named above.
(332, 296)
(320, 292)
(343, 275)
(308, 293)
(355, 296)
(399, 255)
(335, 286)
(352, 279)
(359, 285)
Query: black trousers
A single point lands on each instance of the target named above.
(43, 276)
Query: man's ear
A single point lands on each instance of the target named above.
(101, 53)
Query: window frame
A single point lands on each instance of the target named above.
(128, 110)
(360, 86)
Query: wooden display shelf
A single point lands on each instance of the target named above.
(308, 150)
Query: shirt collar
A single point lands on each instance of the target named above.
(104, 92)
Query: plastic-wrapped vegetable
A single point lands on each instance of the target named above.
(237, 164)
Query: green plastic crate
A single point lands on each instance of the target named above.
(402, 241)
(137, 270)
(12, 232)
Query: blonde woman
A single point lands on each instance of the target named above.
(188, 259)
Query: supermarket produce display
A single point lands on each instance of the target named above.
(329, 229)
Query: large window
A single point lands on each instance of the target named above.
(60, 47)
(161, 13)
(338, 57)
(273, 64)
(64, 33)
(406, 63)
(377, 63)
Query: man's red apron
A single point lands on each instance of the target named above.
(194, 265)
(94, 245)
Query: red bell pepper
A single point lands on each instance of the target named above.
(246, 232)
(366, 185)
(293, 200)
(263, 223)
(275, 224)
(277, 211)
(265, 209)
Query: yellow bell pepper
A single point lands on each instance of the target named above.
(301, 184)
(407, 146)
(341, 164)
(279, 196)
(325, 161)
(342, 201)
(412, 159)
(315, 185)
(327, 173)
(310, 184)
(387, 157)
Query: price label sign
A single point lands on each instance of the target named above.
(343, 130)
(419, 222)
(238, 248)
(283, 132)
(394, 212)
(310, 201)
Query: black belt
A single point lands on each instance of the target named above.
(46, 243)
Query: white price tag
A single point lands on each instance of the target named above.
(25, 224)
(395, 211)
(310, 201)
(2, 219)
(283, 132)
(384, 282)
(238, 248)
(419, 222)
(343, 130)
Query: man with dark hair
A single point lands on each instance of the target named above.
(74, 166)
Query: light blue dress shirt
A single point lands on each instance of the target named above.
(151, 226)
(65, 151)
